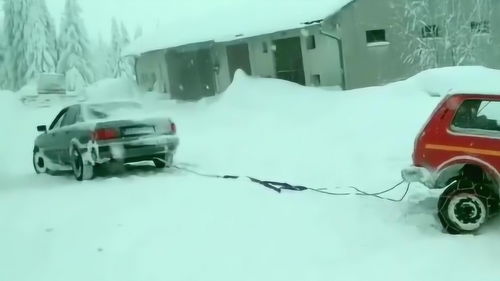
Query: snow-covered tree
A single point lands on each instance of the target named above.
(445, 32)
(40, 37)
(74, 53)
(138, 32)
(122, 66)
(100, 59)
(4, 82)
(15, 17)
(125, 36)
(116, 48)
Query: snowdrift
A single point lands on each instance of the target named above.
(465, 79)
(112, 89)
(150, 225)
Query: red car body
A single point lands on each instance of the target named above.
(458, 149)
(440, 150)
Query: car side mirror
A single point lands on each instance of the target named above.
(42, 128)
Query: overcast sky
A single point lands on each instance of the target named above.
(98, 13)
(151, 13)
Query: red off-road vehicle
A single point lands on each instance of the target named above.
(458, 150)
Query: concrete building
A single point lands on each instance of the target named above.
(378, 37)
(303, 55)
(360, 43)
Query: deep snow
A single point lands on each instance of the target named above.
(171, 225)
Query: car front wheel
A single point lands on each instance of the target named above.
(465, 206)
(82, 170)
(39, 162)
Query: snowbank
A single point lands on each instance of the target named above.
(465, 79)
(112, 89)
(11, 116)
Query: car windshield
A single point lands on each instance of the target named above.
(108, 110)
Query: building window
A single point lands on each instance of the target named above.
(311, 42)
(265, 48)
(375, 36)
(316, 80)
(430, 31)
(480, 26)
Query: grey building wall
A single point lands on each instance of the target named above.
(222, 76)
(323, 60)
(369, 64)
(152, 72)
(375, 64)
(342, 55)
(262, 56)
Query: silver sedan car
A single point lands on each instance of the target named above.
(86, 135)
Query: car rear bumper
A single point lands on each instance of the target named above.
(418, 174)
(135, 150)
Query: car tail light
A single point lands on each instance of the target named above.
(105, 134)
(173, 127)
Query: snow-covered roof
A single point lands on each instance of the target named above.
(236, 21)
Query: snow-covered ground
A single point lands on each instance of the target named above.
(171, 225)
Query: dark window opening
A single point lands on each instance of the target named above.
(311, 42)
(289, 61)
(480, 26)
(430, 31)
(265, 48)
(377, 35)
(316, 80)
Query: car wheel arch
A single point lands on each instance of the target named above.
(474, 169)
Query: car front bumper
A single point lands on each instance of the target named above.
(418, 174)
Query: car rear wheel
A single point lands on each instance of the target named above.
(465, 206)
(39, 162)
(82, 170)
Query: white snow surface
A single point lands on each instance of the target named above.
(170, 225)
(227, 21)
(465, 79)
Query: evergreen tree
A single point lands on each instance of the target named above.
(124, 36)
(74, 51)
(122, 66)
(100, 58)
(138, 32)
(15, 17)
(116, 49)
(40, 37)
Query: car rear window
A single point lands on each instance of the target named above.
(477, 115)
(108, 110)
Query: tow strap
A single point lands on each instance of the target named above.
(280, 186)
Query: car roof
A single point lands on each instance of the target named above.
(475, 94)
(90, 103)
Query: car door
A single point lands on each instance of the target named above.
(68, 131)
(53, 134)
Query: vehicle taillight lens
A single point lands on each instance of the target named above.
(105, 134)
(173, 128)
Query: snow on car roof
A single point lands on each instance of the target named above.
(475, 92)
(232, 22)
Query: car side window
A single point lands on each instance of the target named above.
(71, 116)
(58, 120)
(477, 115)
